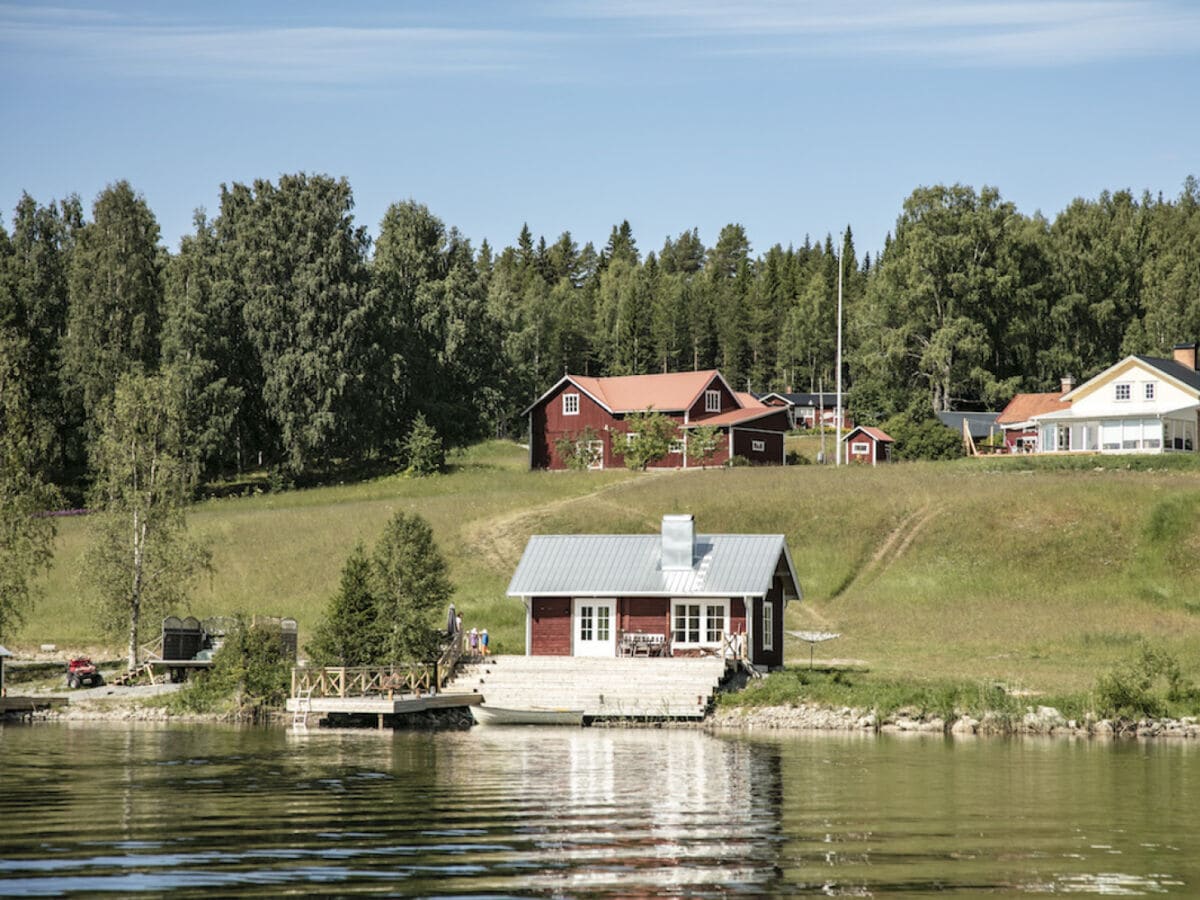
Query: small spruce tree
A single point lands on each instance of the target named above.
(423, 447)
(349, 634)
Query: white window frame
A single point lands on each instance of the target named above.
(712, 401)
(860, 448)
(758, 446)
(704, 624)
(676, 446)
(1123, 387)
(768, 620)
(570, 404)
(630, 437)
(1148, 390)
(1062, 438)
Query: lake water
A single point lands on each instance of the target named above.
(215, 811)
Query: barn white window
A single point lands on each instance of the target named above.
(699, 624)
(860, 448)
(712, 401)
(758, 446)
(1122, 391)
(676, 446)
(768, 622)
(570, 404)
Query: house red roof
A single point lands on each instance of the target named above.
(1022, 407)
(877, 434)
(669, 392)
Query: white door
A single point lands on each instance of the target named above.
(595, 627)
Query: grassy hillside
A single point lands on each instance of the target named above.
(1029, 573)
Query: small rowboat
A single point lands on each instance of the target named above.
(495, 715)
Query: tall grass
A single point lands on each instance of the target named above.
(978, 570)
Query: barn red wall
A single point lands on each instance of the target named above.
(737, 616)
(728, 401)
(549, 425)
(551, 627)
(772, 452)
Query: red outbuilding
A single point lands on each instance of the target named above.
(591, 413)
(868, 445)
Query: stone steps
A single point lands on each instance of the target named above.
(601, 687)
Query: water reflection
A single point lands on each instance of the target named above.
(577, 812)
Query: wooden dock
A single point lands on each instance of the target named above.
(29, 705)
(383, 706)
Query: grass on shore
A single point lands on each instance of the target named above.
(1032, 573)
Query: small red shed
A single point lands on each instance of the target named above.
(868, 445)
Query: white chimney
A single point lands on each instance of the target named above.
(1068, 383)
(678, 542)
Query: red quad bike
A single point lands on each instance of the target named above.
(82, 672)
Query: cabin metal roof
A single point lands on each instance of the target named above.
(602, 565)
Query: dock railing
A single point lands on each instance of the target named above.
(367, 681)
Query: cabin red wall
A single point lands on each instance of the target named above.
(876, 450)
(648, 614)
(772, 658)
(551, 631)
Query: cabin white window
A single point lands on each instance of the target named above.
(699, 624)
(860, 448)
(1122, 391)
(768, 622)
(1148, 390)
(712, 401)
(570, 404)
(630, 437)
(758, 446)
(676, 446)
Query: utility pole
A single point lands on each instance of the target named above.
(838, 409)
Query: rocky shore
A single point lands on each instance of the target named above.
(1042, 720)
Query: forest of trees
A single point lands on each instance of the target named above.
(295, 341)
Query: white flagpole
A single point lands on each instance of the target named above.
(838, 410)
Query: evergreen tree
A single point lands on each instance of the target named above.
(350, 632)
(412, 588)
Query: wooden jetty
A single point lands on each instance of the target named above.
(378, 691)
(27, 706)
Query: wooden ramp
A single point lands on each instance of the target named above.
(604, 688)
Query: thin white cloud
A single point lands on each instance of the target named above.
(980, 32)
(307, 55)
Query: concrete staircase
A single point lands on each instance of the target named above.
(604, 688)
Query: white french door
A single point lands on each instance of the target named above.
(594, 624)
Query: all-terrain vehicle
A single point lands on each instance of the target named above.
(82, 672)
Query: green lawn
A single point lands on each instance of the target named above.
(1033, 574)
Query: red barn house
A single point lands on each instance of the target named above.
(677, 593)
(593, 410)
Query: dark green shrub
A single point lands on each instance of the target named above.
(922, 439)
(1141, 686)
(249, 676)
(796, 458)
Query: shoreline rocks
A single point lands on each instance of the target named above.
(1045, 720)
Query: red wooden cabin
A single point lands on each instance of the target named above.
(676, 593)
(868, 445)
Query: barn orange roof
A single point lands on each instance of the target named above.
(1023, 407)
(671, 391)
(877, 434)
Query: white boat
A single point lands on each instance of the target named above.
(495, 715)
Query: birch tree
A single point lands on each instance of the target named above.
(140, 562)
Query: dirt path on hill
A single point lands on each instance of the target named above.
(894, 546)
(500, 540)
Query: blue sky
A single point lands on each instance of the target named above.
(791, 118)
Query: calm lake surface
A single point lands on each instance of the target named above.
(215, 811)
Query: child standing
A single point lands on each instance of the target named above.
(483, 641)
(474, 641)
